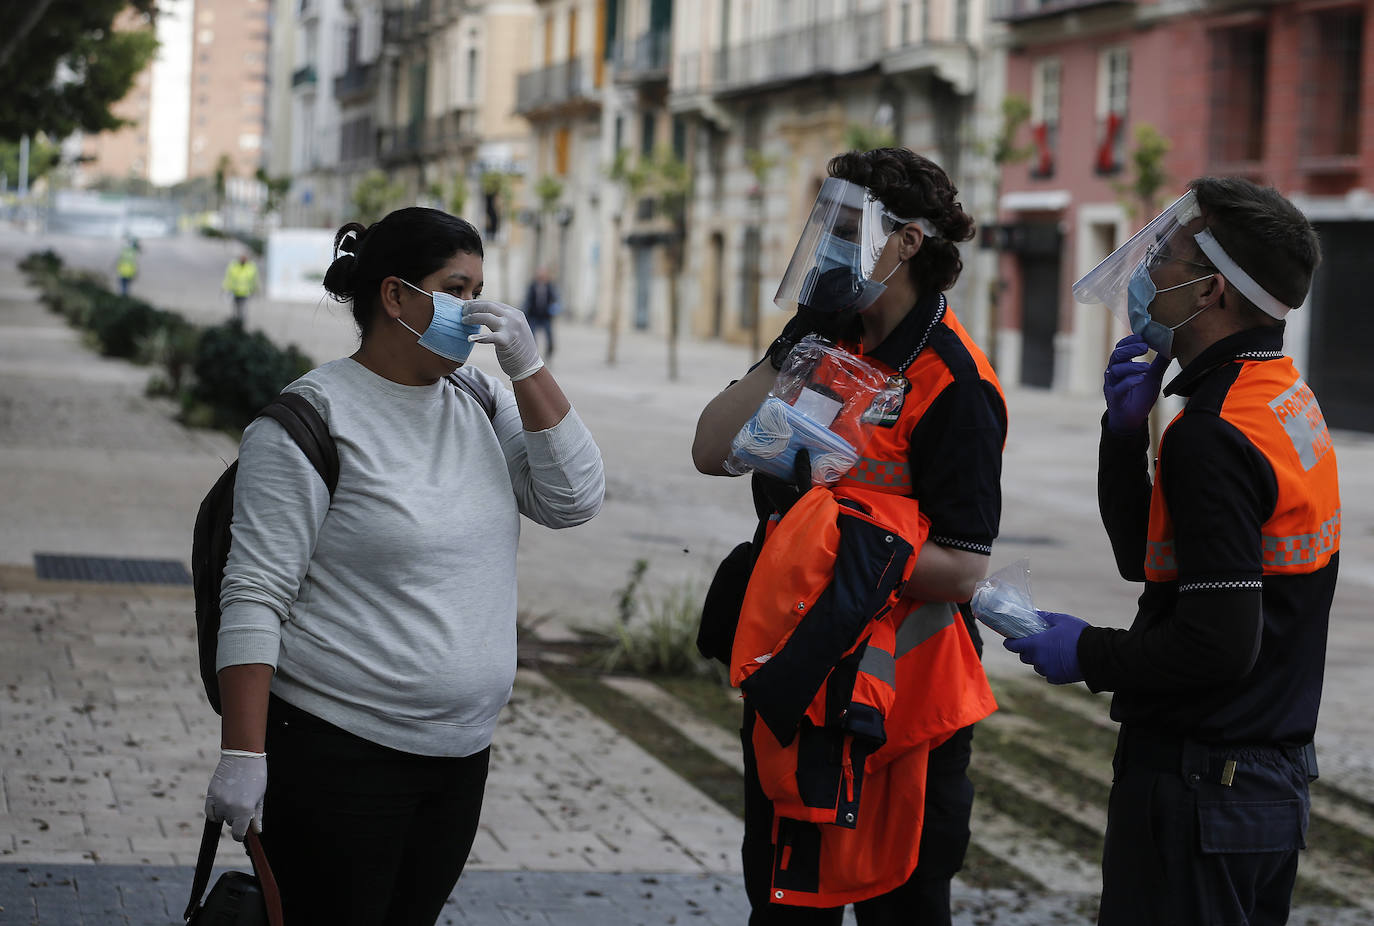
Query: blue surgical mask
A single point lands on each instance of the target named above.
(1140, 292)
(446, 335)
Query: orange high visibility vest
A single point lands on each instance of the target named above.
(885, 464)
(852, 685)
(1275, 409)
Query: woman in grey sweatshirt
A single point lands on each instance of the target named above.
(367, 642)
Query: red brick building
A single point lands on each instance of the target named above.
(1281, 93)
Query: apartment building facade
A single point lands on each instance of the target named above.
(422, 90)
(750, 100)
(1277, 92)
(769, 92)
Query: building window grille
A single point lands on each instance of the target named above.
(1332, 49)
(1240, 58)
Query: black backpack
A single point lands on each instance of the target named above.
(210, 540)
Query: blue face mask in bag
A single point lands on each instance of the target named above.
(1140, 292)
(446, 335)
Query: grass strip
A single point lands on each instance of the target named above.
(1037, 765)
(708, 699)
(1323, 791)
(1039, 818)
(714, 778)
(1062, 724)
(1308, 893)
(985, 871)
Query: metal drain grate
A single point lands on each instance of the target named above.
(64, 568)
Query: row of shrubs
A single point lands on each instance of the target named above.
(222, 375)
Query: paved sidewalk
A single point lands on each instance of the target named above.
(105, 742)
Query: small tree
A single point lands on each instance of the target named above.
(276, 188)
(1003, 151)
(458, 195)
(548, 190)
(632, 176)
(860, 137)
(375, 196)
(500, 186)
(672, 182)
(1147, 159)
(760, 165)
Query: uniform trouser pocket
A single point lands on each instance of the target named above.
(1251, 826)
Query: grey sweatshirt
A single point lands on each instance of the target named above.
(390, 612)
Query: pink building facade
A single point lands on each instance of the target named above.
(1281, 93)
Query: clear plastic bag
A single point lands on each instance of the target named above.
(826, 401)
(1003, 602)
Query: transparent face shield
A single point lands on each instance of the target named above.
(838, 249)
(1166, 238)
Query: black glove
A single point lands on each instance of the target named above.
(782, 494)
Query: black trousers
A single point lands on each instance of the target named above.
(923, 900)
(361, 835)
(1201, 835)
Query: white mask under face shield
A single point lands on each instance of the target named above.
(832, 265)
(1167, 238)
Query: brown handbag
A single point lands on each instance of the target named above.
(238, 898)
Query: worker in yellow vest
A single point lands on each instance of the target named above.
(126, 267)
(241, 281)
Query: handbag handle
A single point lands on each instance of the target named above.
(205, 862)
(270, 895)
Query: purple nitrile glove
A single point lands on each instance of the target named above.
(1054, 652)
(1131, 387)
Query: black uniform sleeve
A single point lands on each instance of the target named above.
(1220, 490)
(956, 465)
(1123, 497)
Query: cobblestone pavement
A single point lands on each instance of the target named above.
(105, 741)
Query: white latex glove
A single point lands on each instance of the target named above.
(236, 790)
(509, 333)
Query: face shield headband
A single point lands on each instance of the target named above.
(1162, 241)
(833, 262)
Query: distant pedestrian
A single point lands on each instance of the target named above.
(1237, 541)
(367, 643)
(126, 267)
(240, 282)
(541, 305)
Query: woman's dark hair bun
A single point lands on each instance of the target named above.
(339, 279)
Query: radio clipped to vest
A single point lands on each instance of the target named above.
(826, 402)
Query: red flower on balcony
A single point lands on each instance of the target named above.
(1106, 150)
(1044, 153)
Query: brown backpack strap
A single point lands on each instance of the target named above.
(270, 894)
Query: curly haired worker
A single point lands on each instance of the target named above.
(895, 213)
(368, 641)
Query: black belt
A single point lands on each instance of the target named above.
(1195, 760)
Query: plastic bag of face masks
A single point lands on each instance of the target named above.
(826, 401)
(1003, 602)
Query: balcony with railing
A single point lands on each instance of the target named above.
(356, 83)
(1014, 11)
(402, 24)
(455, 130)
(836, 47)
(304, 76)
(643, 58)
(558, 85)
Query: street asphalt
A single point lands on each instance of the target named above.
(105, 741)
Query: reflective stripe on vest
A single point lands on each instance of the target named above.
(1276, 411)
(1299, 549)
(881, 473)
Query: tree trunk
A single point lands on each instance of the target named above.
(616, 275)
(674, 308)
